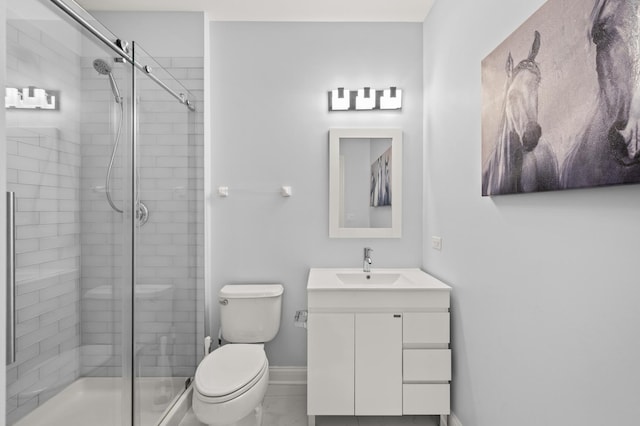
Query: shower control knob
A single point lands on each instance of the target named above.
(142, 213)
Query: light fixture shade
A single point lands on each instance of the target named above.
(29, 98)
(391, 98)
(339, 100)
(365, 99)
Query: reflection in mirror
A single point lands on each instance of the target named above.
(365, 183)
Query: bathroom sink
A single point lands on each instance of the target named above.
(354, 290)
(378, 278)
(370, 278)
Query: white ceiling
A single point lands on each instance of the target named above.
(280, 10)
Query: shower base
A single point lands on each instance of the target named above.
(97, 401)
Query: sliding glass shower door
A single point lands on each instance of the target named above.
(105, 175)
(168, 169)
(68, 107)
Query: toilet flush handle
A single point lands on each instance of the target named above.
(223, 302)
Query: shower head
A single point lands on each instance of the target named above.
(103, 68)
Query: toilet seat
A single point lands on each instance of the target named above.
(229, 372)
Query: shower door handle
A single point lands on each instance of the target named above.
(11, 278)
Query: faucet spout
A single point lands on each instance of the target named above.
(366, 263)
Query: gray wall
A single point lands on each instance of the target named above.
(545, 294)
(269, 84)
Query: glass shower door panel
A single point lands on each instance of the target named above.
(166, 263)
(68, 242)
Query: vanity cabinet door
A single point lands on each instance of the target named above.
(330, 364)
(378, 364)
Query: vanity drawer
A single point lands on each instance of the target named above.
(425, 399)
(425, 327)
(426, 365)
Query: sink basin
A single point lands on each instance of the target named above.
(378, 279)
(352, 290)
(369, 278)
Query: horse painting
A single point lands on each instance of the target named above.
(522, 161)
(607, 150)
(381, 180)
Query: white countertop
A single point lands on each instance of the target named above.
(323, 279)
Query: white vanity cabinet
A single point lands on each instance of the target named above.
(378, 364)
(378, 350)
(330, 350)
(426, 363)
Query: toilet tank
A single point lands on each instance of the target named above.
(250, 313)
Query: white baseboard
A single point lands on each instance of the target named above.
(287, 381)
(287, 375)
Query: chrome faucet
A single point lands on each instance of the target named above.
(366, 264)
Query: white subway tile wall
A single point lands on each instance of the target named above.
(102, 282)
(69, 244)
(171, 244)
(169, 250)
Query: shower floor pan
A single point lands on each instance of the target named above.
(97, 401)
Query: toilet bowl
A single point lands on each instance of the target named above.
(230, 384)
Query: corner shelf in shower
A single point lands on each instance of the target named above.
(26, 276)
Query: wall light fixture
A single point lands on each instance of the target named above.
(30, 98)
(365, 99)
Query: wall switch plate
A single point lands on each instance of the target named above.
(436, 243)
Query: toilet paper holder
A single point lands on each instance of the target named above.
(300, 319)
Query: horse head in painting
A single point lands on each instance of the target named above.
(519, 162)
(607, 151)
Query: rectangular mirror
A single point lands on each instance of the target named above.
(365, 183)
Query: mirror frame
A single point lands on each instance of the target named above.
(335, 231)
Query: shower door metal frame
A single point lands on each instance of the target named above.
(11, 278)
(3, 188)
(122, 50)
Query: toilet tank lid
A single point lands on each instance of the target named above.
(245, 291)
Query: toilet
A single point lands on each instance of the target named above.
(230, 382)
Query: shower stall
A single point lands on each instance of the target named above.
(104, 153)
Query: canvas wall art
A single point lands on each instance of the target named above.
(561, 100)
(381, 180)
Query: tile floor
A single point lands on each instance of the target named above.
(283, 409)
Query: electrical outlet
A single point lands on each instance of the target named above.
(436, 243)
